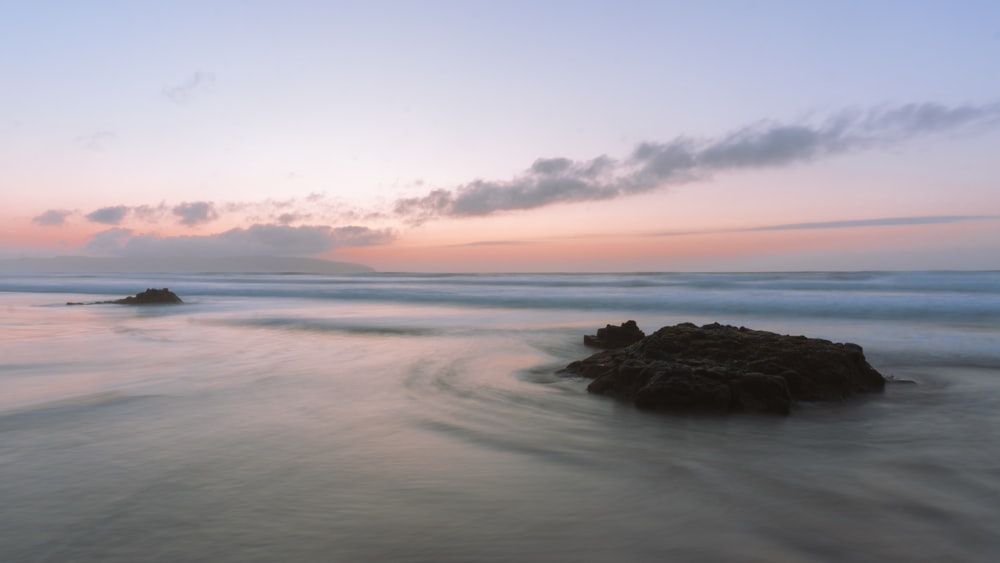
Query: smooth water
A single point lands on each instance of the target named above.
(399, 418)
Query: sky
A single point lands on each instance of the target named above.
(482, 136)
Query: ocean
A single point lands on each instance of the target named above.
(420, 418)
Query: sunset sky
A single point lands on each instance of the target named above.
(505, 136)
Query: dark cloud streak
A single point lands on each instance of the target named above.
(881, 222)
(493, 243)
(845, 224)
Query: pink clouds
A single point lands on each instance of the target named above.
(52, 217)
(195, 213)
(256, 240)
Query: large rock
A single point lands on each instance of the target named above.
(724, 368)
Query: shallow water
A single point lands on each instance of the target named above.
(418, 418)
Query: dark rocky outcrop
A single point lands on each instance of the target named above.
(721, 368)
(611, 336)
(149, 297)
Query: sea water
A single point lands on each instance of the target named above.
(405, 418)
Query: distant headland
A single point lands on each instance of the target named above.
(181, 264)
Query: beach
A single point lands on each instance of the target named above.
(407, 417)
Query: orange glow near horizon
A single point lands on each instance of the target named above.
(708, 250)
(24, 233)
(583, 237)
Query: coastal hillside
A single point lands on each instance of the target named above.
(181, 264)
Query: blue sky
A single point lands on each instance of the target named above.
(184, 122)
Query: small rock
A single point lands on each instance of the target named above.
(150, 297)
